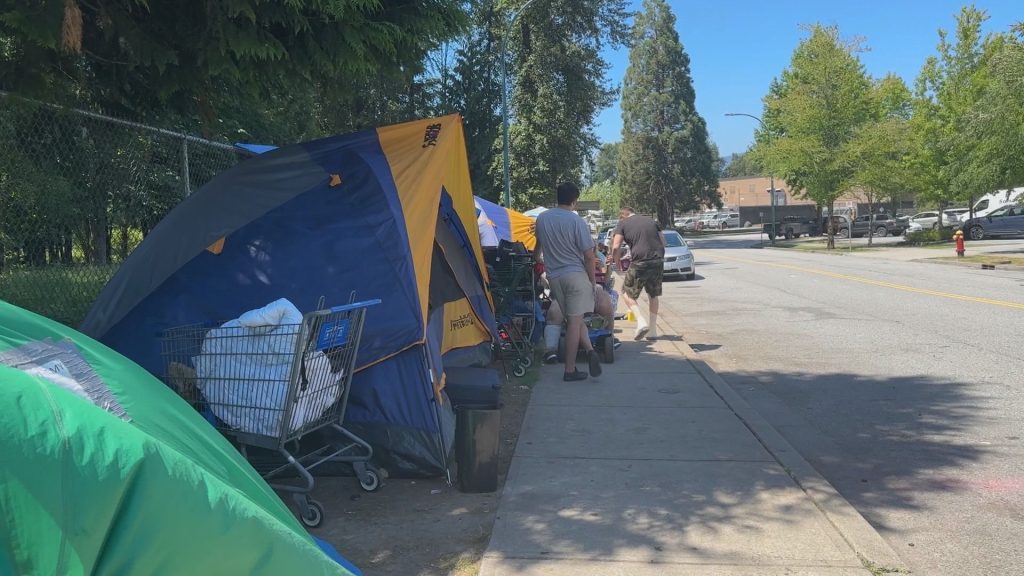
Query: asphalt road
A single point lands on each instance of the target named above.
(901, 382)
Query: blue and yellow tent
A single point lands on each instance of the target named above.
(502, 223)
(387, 213)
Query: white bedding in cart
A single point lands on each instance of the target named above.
(243, 372)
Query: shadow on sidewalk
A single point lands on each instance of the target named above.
(653, 476)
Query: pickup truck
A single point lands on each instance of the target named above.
(881, 224)
(791, 227)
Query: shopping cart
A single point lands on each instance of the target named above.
(513, 288)
(268, 387)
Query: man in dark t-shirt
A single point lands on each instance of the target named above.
(646, 268)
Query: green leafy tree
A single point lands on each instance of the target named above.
(812, 113)
(558, 87)
(666, 161)
(741, 165)
(135, 55)
(946, 91)
(238, 69)
(476, 93)
(608, 193)
(880, 150)
(994, 124)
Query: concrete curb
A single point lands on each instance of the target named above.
(969, 265)
(862, 538)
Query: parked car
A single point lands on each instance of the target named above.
(883, 224)
(687, 224)
(864, 225)
(880, 224)
(678, 258)
(950, 218)
(605, 235)
(1005, 221)
(913, 227)
(926, 219)
(792, 227)
(953, 216)
(991, 202)
(705, 220)
(724, 220)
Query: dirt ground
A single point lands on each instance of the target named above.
(420, 527)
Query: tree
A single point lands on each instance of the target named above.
(133, 56)
(607, 192)
(666, 161)
(606, 163)
(812, 113)
(946, 91)
(880, 150)
(994, 124)
(558, 88)
(741, 165)
(476, 93)
(268, 72)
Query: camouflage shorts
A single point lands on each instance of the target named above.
(644, 276)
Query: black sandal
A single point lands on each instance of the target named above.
(574, 376)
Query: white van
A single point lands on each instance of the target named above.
(991, 202)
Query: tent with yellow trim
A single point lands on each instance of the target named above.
(387, 213)
(499, 223)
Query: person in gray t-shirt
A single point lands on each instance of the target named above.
(563, 240)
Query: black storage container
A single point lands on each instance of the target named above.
(476, 386)
(477, 429)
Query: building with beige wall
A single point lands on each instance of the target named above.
(753, 191)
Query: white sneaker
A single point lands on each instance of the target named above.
(640, 332)
(652, 333)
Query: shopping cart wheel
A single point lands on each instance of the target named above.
(369, 480)
(519, 371)
(526, 361)
(313, 516)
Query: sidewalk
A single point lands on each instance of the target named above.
(657, 467)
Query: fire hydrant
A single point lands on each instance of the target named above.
(958, 236)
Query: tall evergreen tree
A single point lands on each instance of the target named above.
(476, 93)
(665, 162)
(606, 163)
(558, 87)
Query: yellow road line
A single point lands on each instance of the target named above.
(950, 295)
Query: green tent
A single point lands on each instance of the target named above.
(104, 470)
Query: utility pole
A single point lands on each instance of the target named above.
(771, 177)
(504, 104)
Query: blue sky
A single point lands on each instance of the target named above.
(736, 47)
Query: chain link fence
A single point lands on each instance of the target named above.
(78, 192)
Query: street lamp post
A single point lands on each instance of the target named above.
(504, 104)
(771, 177)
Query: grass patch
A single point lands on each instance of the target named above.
(61, 293)
(877, 570)
(842, 245)
(943, 245)
(994, 259)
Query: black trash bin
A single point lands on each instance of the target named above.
(477, 428)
